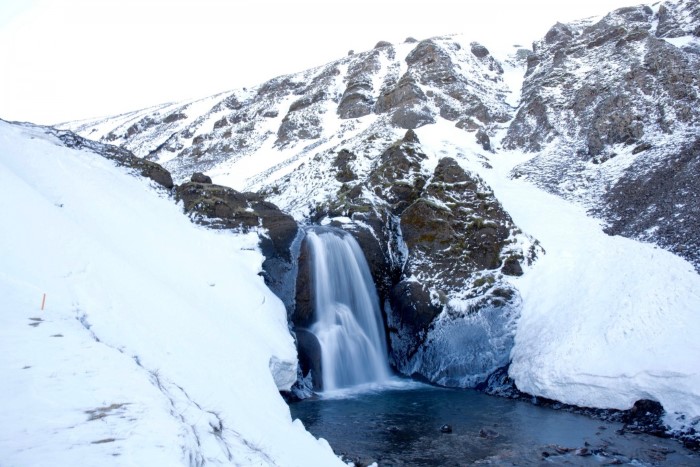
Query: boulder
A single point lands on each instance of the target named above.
(199, 177)
(342, 163)
(479, 50)
(483, 139)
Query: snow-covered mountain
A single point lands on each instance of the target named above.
(481, 185)
(129, 335)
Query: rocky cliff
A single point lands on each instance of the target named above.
(610, 111)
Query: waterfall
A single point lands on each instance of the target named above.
(348, 320)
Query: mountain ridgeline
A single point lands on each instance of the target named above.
(608, 110)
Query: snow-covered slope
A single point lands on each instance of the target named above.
(158, 344)
(251, 139)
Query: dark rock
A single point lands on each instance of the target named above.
(646, 416)
(511, 267)
(468, 124)
(298, 126)
(488, 433)
(411, 137)
(174, 117)
(673, 19)
(221, 123)
(479, 50)
(432, 63)
(303, 315)
(398, 174)
(410, 40)
(381, 44)
(357, 101)
(446, 429)
(221, 207)
(413, 307)
(199, 177)
(407, 93)
(282, 228)
(155, 172)
(558, 33)
(664, 200)
(483, 139)
(499, 384)
(613, 122)
(310, 356)
(342, 163)
(641, 148)
(121, 157)
(412, 117)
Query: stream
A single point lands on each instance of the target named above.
(401, 425)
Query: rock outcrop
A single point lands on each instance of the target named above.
(613, 109)
(439, 245)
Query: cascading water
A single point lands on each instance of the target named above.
(348, 321)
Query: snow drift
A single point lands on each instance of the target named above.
(159, 344)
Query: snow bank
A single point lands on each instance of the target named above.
(606, 320)
(158, 337)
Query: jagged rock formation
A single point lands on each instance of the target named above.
(608, 108)
(612, 110)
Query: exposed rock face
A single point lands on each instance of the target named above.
(310, 357)
(611, 108)
(662, 205)
(199, 177)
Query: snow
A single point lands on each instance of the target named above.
(606, 320)
(159, 343)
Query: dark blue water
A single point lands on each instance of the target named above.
(403, 427)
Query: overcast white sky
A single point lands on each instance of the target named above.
(70, 59)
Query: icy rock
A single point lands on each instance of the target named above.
(284, 372)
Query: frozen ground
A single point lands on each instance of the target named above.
(158, 345)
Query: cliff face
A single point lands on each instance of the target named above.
(611, 112)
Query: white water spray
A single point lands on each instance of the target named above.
(348, 320)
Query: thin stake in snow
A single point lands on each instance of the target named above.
(43, 302)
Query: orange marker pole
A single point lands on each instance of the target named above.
(43, 302)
